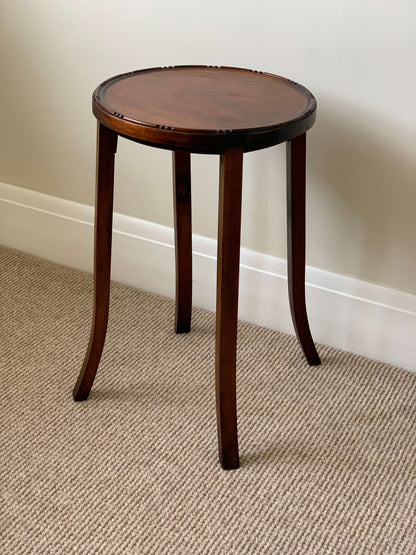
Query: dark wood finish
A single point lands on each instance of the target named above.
(229, 229)
(181, 162)
(106, 149)
(204, 108)
(296, 192)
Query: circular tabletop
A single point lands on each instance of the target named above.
(204, 108)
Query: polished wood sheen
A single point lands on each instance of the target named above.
(296, 238)
(181, 162)
(228, 267)
(204, 109)
(106, 149)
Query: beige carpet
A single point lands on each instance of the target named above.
(328, 453)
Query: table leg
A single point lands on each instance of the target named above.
(181, 162)
(296, 192)
(229, 229)
(106, 149)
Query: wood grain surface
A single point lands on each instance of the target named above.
(204, 108)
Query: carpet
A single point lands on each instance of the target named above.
(328, 453)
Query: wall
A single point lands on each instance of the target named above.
(358, 58)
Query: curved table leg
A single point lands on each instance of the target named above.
(229, 229)
(181, 163)
(296, 185)
(106, 148)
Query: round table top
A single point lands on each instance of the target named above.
(204, 108)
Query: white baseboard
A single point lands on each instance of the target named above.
(346, 313)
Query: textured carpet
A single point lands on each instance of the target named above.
(328, 454)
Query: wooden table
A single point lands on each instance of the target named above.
(213, 110)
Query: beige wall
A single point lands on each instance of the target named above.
(358, 58)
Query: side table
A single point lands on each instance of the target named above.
(210, 110)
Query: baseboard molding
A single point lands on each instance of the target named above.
(346, 313)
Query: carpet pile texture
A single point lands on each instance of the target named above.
(328, 453)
